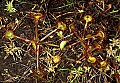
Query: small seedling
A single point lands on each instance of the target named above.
(9, 6)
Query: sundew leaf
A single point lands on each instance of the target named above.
(34, 45)
(9, 7)
(9, 34)
(62, 44)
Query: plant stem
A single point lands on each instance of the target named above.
(48, 35)
(25, 39)
(37, 53)
(36, 33)
(85, 28)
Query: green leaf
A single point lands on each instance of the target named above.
(62, 44)
(9, 34)
(60, 34)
